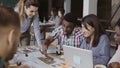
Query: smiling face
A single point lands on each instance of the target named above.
(117, 35)
(31, 11)
(88, 30)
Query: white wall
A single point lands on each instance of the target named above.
(89, 7)
(67, 6)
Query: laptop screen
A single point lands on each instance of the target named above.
(77, 57)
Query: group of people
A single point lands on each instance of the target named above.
(28, 12)
(15, 25)
(56, 16)
(90, 36)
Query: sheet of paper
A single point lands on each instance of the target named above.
(36, 64)
(36, 54)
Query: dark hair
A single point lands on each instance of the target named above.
(70, 17)
(118, 23)
(26, 3)
(31, 2)
(8, 17)
(62, 11)
(54, 10)
(93, 21)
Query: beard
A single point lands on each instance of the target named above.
(11, 52)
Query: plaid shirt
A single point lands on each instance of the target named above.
(74, 39)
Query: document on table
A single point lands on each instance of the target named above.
(35, 59)
(36, 54)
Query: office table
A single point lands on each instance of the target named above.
(33, 57)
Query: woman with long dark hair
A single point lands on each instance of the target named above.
(95, 39)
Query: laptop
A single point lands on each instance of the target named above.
(77, 57)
